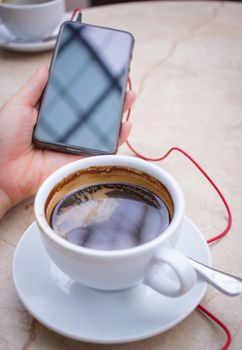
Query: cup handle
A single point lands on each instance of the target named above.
(185, 273)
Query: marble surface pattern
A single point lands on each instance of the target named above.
(187, 72)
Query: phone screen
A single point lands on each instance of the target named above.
(83, 101)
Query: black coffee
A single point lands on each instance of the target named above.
(110, 216)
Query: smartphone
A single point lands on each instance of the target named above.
(82, 106)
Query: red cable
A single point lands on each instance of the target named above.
(220, 323)
(75, 11)
(213, 239)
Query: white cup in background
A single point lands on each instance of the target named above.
(31, 19)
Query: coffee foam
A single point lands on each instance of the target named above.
(107, 174)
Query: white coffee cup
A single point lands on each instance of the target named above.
(120, 269)
(31, 19)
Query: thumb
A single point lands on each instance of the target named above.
(124, 133)
(31, 92)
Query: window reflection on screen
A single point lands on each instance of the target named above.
(83, 101)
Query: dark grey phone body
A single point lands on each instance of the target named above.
(82, 105)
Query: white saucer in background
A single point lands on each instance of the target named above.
(95, 316)
(8, 42)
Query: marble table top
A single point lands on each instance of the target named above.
(187, 72)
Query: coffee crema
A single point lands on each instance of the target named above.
(109, 208)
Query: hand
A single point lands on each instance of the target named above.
(24, 167)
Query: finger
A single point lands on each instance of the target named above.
(31, 92)
(55, 160)
(129, 100)
(124, 133)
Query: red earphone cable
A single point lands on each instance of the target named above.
(213, 239)
(75, 11)
(220, 323)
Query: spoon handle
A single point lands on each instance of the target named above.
(226, 283)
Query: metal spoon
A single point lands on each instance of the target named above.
(224, 282)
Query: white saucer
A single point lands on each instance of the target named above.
(7, 40)
(100, 317)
